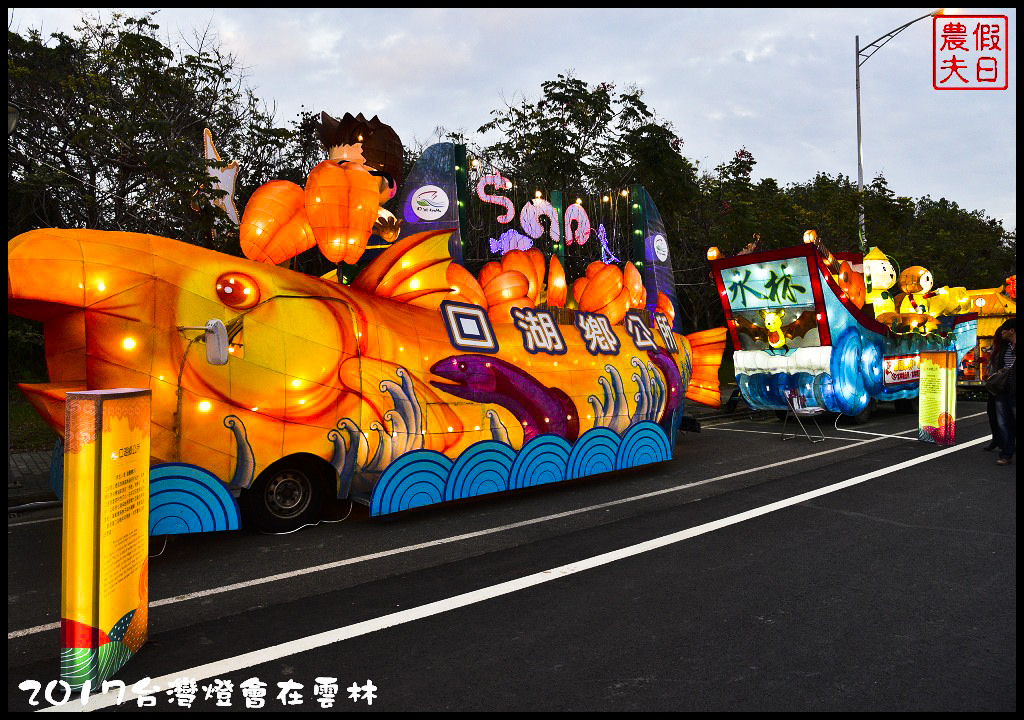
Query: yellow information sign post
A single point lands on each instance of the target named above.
(937, 403)
(104, 570)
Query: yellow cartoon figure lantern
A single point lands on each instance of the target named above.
(915, 283)
(879, 276)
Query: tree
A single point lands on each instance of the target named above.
(581, 138)
(110, 135)
(111, 138)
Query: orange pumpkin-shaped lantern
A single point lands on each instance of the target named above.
(578, 286)
(616, 309)
(274, 226)
(342, 199)
(635, 284)
(539, 266)
(602, 287)
(488, 272)
(557, 289)
(851, 282)
(519, 261)
(506, 286)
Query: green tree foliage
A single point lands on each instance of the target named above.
(579, 138)
(111, 138)
(582, 138)
(111, 132)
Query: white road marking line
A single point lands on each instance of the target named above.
(458, 538)
(441, 541)
(312, 642)
(32, 522)
(827, 437)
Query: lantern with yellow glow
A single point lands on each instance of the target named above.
(507, 286)
(342, 199)
(274, 226)
(464, 286)
(851, 283)
(557, 289)
(633, 281)
(714, 253)
(665, 306)
(505, 291)
(519, 261)
(488, 272)
(602, 288)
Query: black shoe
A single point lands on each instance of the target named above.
(991, 446)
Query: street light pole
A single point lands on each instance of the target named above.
(862, 57)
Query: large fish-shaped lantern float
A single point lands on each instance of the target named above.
(418, 383)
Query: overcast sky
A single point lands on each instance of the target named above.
(778, 82)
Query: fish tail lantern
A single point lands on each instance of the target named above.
(342, 199)
(344, 193)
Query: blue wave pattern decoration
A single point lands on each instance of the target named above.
(594, 453)
(542, 460)
(855, 371)
(484, 468)
(424, 477)
(186, 499)
(415, 479)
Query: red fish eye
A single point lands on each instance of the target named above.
(238, 290)
(462, 367)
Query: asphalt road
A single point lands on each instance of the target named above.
(867, 572)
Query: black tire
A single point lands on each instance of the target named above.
(284, 497)
(864, 415)
(906, 406)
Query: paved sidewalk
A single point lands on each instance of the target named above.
(28, 478)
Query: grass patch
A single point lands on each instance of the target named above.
(26, 430)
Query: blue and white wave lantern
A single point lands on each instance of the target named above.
(424, 477)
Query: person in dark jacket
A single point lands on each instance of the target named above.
(1005, 431)
(998, 344)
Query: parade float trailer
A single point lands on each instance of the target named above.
(416, 372)
(823, 330)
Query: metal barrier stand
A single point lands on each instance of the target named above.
(791, 403)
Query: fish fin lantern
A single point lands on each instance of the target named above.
(274, 227)
(414, 270)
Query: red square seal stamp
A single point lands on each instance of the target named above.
(970, 52)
